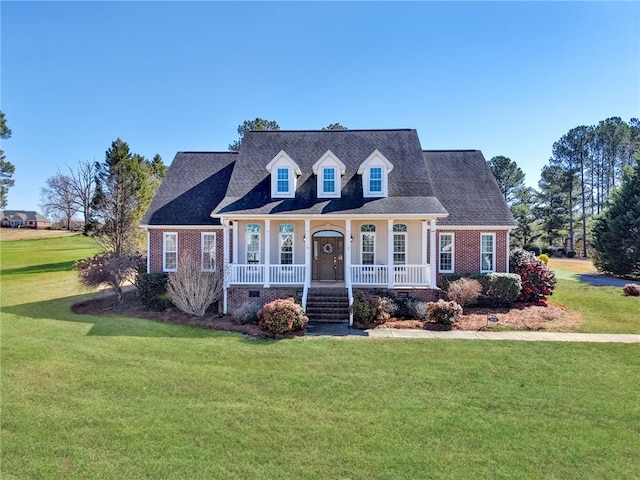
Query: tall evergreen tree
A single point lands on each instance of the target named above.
(125, 185)
(7, 169)
(616, 233)
(552, 206)
(509, 176)
(247, 125)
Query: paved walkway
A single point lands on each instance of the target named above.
(343, 330)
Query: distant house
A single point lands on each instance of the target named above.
(23, 219)
(296, 210)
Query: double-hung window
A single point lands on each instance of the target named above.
(368, 243)
(329, 180)
(446, 252)
(487, 252)
(286, 244)
(169, 252)
(399, 244)
(252, 232)
(208, 244)
(375, 180)
(283, 180)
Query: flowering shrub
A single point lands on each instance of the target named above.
(464, 291)
(631, 290)
(544, 257)
(282, 316)
(444, 313)
(368, 308)
(537, 280)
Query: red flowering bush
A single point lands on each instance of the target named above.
(444, 313)
(282, 316)
(537, 279)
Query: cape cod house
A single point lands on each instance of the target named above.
(23, 219)
(294, 211)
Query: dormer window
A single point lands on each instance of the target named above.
(328, 171)
(375, 172)
(284, 172)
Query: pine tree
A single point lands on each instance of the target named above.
(616, 232)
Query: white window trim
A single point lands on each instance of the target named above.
(215, 260)
(164, 251)
(362, 234)
(293, 246)
(247, 236)
(453, 252)
(376, 159)
(282, 160)
(493, 252)
(329, 160)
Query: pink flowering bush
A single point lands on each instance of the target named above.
(631, 290)
(538, 280)
(444, 313)
(282, 316)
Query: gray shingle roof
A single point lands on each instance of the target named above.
(24, 215)
(466, 187)
(194, 185)
(457, 183)
(410, 189)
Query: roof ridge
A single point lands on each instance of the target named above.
(205, 151)
(345, 130)
(452, 150)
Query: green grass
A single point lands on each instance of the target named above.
(603, 309)
(114, 397)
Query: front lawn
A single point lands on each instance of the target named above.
(603, 309)
(116, 397)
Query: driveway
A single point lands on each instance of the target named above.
(604, 281)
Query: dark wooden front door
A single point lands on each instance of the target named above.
(328, 257)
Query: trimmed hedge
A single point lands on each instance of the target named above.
(152, 288)
(498, 289)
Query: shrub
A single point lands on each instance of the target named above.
(152, 289)
(191, 289)
(417, 309)
(108, 269)
(631, 290)
(532, 248)
(369, 308)
(444, 313)
(498, 289)
(537, 280)
(247, 313)
(544, 257)
(464, 291)
(502, 290)
(571, 254)
(550, 251)
(282, 316)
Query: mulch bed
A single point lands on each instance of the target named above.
(544, 316)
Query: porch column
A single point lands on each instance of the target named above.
(390, 253)
(423, 250)
(267, 252)
(508, 249)
(307, 251)
(235, 247)
(225, 265)
(347, 252)
(432, 251)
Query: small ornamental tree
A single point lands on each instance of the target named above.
(109, 269)
(538, 280)
(191, 289)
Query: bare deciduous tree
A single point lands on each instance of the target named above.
(191, 289)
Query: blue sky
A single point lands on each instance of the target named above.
(508, 78)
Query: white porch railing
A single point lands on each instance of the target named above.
(248, 274)
(286, 274)
(405, 275)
